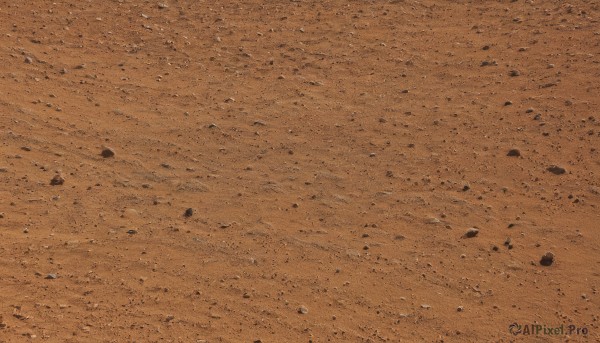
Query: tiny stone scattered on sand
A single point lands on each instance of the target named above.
(547, 259)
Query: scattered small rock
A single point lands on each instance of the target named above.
(302, 310)
(514, 73)
(472, 232)
(57, 180)
(460, 309)
(132, 231)
(556, 170)
(28, 59)
(514, 153)
(107, 152)
(547, 259)
(508, 103)
(25, 148)
(189, 212)
(425, 306)
(51, 276)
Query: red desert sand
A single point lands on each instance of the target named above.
(299, 171)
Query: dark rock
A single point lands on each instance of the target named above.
(514, 153)
(132, 232)
(51, 276)
(472, 232)
(547, 259)
(107, 152)
(57, 180)
(189, 212)
(514, 73)
(556, 170)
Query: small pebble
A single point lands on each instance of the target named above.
(28, 59)
(132, 232)
(556, 170)
(107, 152)
(514, 153)
(514, 73)
(302, 310)
(189, 212)
(547, 259)
(51, 276)
(472, 232)
(57, 180)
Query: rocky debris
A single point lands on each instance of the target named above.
(28, 59)
(433, 220)
(426, 306)
(169, 318)
(189, 212)
(107, 152)
(556, 170)
(508, 103)
(514, 73)
(547, 259)
(51, 276)
(26, 148)
(57, 180)
(489, 63)
(302, 310)
(460, 309)
(514, 153)
(132, 231)
(1, 215)
(472, 232)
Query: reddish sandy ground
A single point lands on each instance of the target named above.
(334, 154)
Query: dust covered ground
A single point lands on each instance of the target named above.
(333, 155)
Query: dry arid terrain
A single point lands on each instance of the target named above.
(299, 171)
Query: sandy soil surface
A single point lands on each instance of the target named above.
(333, 155)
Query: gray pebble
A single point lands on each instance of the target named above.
(547, 259)
(556, 170)
(514, 153)
(472, 232)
